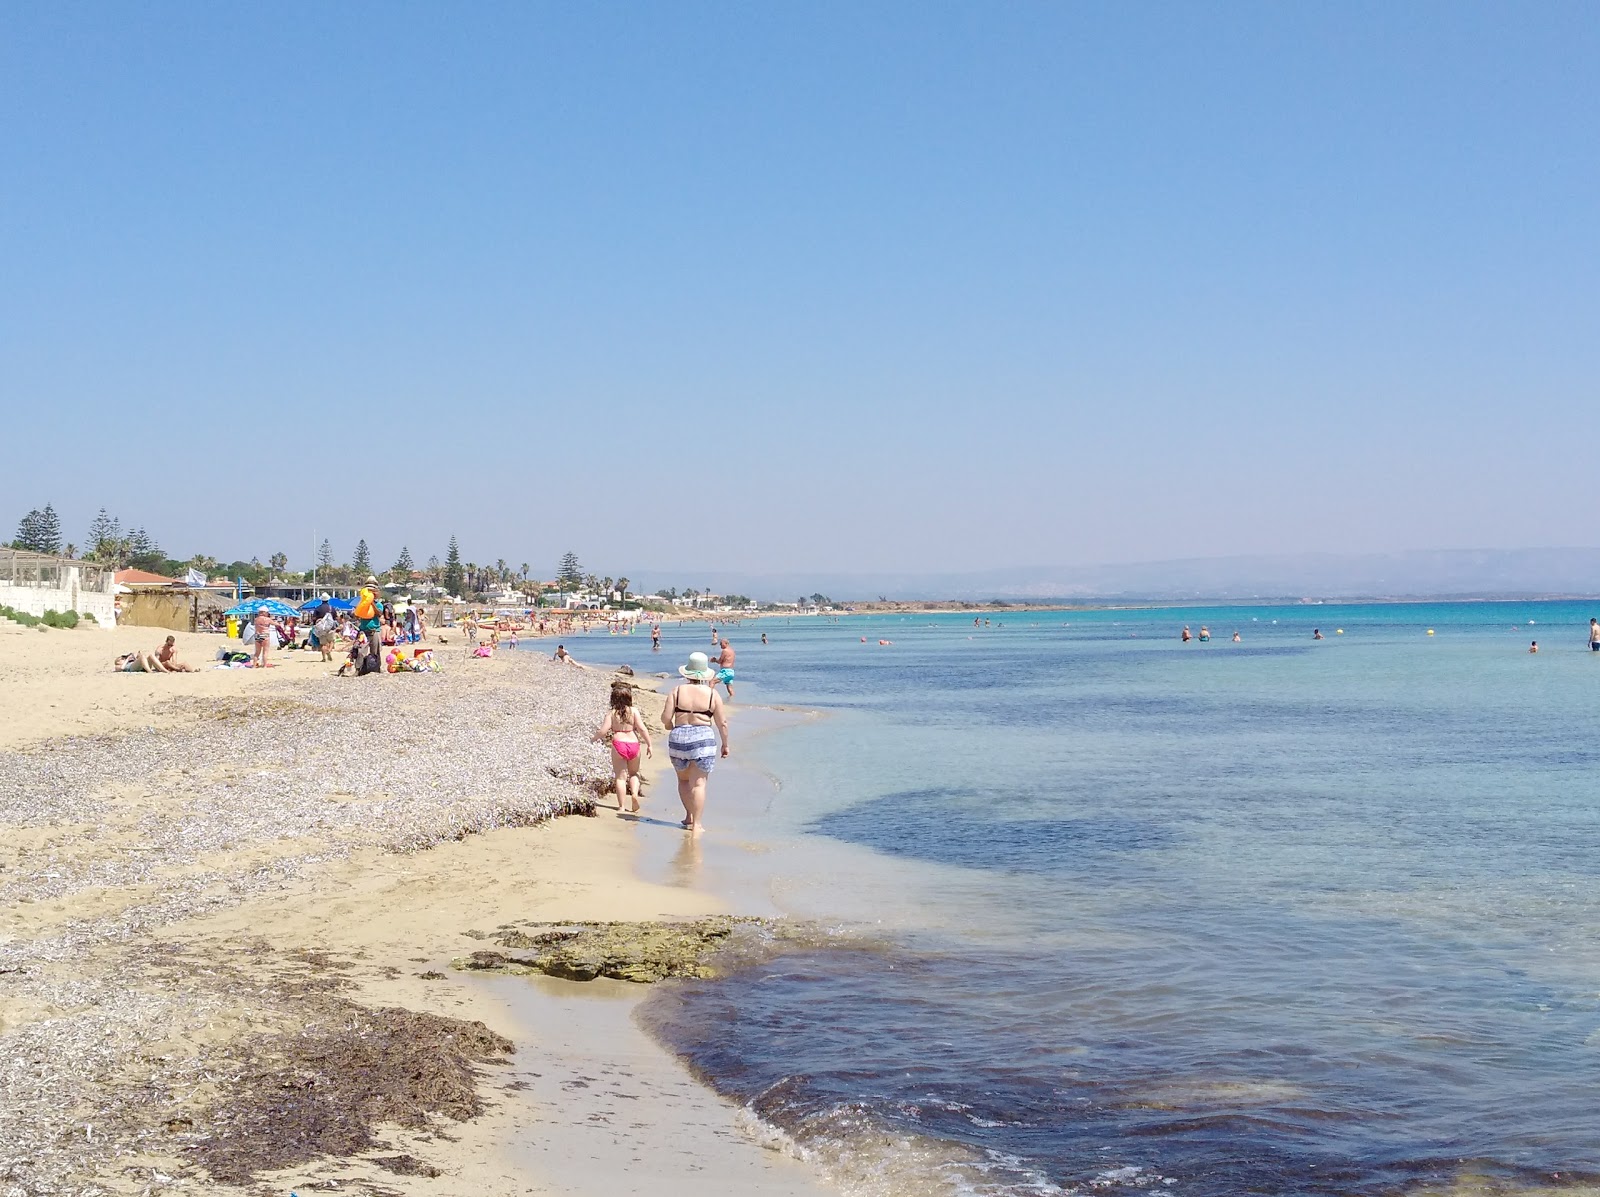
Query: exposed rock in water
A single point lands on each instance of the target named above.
(642, 952)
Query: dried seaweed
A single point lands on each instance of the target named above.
(325, 1090)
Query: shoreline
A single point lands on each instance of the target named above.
(204, 871)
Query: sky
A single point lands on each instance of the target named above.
(818, 286)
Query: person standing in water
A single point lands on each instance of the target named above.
(692, 711)
(1594, 635)
(625, 730)
(763, 637)
(655, 637)
(1187, 634)
(724, 665)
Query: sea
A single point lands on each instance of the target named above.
(1104, 912)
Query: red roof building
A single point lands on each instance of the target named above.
(142, 577)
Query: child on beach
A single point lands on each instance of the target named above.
(623, 727)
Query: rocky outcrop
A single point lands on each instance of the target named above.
(642, 952)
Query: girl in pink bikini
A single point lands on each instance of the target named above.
(624, 728)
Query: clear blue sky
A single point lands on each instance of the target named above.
(807, 286)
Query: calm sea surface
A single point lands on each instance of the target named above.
(1277, 916)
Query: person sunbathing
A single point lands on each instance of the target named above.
(167, 658)
(137, 662)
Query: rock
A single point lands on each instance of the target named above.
(640, 952)
(625, 670)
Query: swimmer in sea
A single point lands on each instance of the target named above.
(1187, 635)
(1534, 647)
(763, 637)
(1205, 632)
(1316, 633)
(1237, 637)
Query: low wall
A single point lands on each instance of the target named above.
(36, 600)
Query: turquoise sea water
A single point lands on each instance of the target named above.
(1279, 916)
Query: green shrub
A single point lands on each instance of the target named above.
(21, 617)
(89, 615)
(60, 619)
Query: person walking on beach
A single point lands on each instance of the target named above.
(625, 729)
(725, 667)
(369, 616)
(691, 713)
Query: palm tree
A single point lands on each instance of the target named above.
(622, 585)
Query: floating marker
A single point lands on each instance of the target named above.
(1430, 631)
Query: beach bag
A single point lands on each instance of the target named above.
(324, 627)
(369, 664)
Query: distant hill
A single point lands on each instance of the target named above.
(1453, 573)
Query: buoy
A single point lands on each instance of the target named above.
(1338, 631)
(863, 640)
(1430, 631)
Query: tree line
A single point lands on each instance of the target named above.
(114, 545)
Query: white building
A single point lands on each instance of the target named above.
(34, 583)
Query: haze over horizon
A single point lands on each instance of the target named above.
(721, 290)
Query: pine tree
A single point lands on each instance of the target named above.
(403, 565)
(570, 573)
(362, 563)
(455, 579)
(325, 556)
(105, 530)
(279, 562)
(40, 531)
(143, 552)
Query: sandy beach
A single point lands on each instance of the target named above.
(233, 900)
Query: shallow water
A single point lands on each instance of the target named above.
(1281, 916)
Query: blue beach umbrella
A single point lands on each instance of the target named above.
(277, 608)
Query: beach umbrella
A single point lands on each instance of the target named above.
(276, 608)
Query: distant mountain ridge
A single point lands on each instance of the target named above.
(1440, 573)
